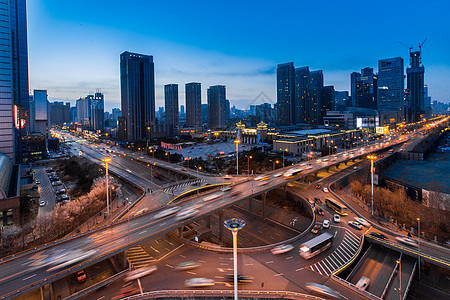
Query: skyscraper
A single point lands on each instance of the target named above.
(14, 98)
(328, 101)
(97, 120)
(171, 107)
(302, 78)
(193, 93)
(137, 83)
(415, 83)
(217, 107)
(390, 93)
(286, 94)
(313, 105)
(364, 88)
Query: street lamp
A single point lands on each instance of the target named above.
(234, 225)
(106, 160)
(418, 241)
(198, 168)
(248, 163)
(167, 154)
(372, 158)
(283, 156)
(400, 277)
(148, 128)
(237, 155)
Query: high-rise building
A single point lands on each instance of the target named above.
(227, 109)
(193, 92)
(205, 112)
(137, 83)
(217, 107)
(286, 94)
(264, 112)
(97, 117)
(342, 100)
(171, 107)
(313, 113)
(302, 80)
(364, 88)
(72, 114)
(181, 109)
(390, 94)
(59, 113)
(328, 100)
(116, 113)
(41, 118)
(415, 82)
(14, 98)
(84, 112)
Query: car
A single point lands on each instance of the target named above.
(407, 241)
(317, 200)
(140, 272)
(187, 265)
(64, 197)
(166, 212)
(240, 278)
(355, 168)
(49, 170)
(322, 290)
(60, 191)
(42, 203)
(38, 182)
(355, 225)
(56, 183)
(81, 276)
(277, 175)
(34, 188)
(227, 188)
(315, 229)
(140, 211)
(337, 218)
(282, 249)
(362, 222)
(184, 169)
(325, 190)
(326, 224)
(199, 282)
(379, 235)
(211, 197)
(319, 211)
(363, 283)
(263, 183)
(185, 214)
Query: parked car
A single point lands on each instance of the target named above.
(355, 225)
(318, 200)
(355, 168)
(325, 190)
(38, 182)
(326, 224)
(318, 186)
(42, 203)
(56, 183)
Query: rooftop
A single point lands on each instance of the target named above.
(309, 131)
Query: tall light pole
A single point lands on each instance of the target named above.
(106, 160)
(237, 155)
(248, 164)
(198, 168)
(148, 128)
(399, 262)
(372, 158)
(283, 156)
(234, 225)
(418, 241)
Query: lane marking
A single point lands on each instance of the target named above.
(249, 264)
(299, 269)
(143, 232)
(126, 284)
(154, 249)
(181, 255)
(290, 257)
(167, 265)
(276, 275)
(101, 297)
(269, 262)
(189, 272)
(28, 277)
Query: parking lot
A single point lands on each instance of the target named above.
(51, 189)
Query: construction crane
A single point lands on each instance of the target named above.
(421, 44)
(409, 48)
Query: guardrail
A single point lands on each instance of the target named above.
(359, 263)
(390, 278)
(408, 285)
(222, 294)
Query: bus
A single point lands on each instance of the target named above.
(316, 245)
(336, 206)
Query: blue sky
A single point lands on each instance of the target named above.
(74, 46)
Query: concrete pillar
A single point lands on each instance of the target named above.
(208, 221)
(264, 196)
(250, 204)
(221, 225)
(285, 191)
(180, 231)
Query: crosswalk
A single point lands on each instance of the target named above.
(176, 186)
(138, 258)
(341, 256)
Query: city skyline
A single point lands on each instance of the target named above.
(246, 65)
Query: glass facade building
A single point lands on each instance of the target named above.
(415, 82)
(137, 84)
(390, 94)
(193, 93)
(217, 107)
(286, 94)
(171, 108)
